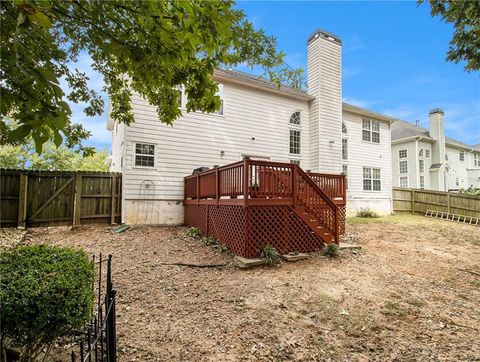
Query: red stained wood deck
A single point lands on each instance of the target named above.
(249, 204)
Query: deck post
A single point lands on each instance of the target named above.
(337, 225)
(245, 181)
(217, 185)
(344, 189)
(294, 188)
(198, 188)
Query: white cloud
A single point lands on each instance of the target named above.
(358, 102)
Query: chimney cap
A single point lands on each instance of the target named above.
(436, 110)
(324, 34)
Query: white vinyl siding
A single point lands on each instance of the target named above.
(201, 139)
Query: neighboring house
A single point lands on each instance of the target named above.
(258, 120)
(427, 159)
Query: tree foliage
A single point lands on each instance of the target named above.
(60, 158)
(147, 47)
(465, 17)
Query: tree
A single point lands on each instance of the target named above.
(52, 158)
(465, 16)
(147, 47)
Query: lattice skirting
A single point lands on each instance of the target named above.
(245, 231)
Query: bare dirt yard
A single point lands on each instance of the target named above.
(411, 294)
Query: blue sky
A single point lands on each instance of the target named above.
(393, 60)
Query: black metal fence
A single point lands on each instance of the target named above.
(99, 343)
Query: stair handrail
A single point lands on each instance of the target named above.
(323, 195)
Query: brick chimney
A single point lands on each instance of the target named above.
(325, 84)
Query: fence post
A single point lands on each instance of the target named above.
(217, 185)
(114, 199)
(448, 202)
(22, 201)
(294, 188)
(78, 200)
(413, 200)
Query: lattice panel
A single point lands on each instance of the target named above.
(195, 216)
(227, 225)
(280, 227)
(343, 215)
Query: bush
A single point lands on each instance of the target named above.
(46, 293)
(194, 232)
(331, 250)
(367, 213)
(270, 255)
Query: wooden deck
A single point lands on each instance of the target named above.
(249, 204)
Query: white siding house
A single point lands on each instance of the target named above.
(260, 121)
(433, 161)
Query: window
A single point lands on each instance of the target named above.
(427, 153)
(371, 179)
(476, 159)
(421, 153)
(295, 162)
(144, 155)
(344, 128)
(403, 166)
(295, 118)
(457, 183)
(344, 149)
(404, 181)
(421, 166)
(345, 172)
(446, 157)
(294, 142)
(462, 155)
(422, 182)
(402, 153)
(370, 130)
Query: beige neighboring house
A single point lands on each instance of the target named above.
(427, 159)
(313, 129)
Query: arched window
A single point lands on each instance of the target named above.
(344, 128)
(295, 118)
(421, 153)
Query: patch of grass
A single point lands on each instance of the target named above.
(367, 213)
(194, 232)
(331, 250)
(394, 310)
(270, 255)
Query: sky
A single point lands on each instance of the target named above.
(393, 59)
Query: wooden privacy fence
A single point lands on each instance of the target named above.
(419, 201)
(43, 198)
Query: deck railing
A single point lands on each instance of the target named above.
(252, 182)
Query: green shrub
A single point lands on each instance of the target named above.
(209, 241)
(270, 255)
(46, 292)
(194, 232)
(331, 250)
(367, 213)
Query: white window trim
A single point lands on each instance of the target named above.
(348, 153)
(299, 154)
(420, 183)
(134, 152)
(419, 168)
(372, 179)
(460, 153)
(372, 131)
(400, 169)
(406, 153)
(293, 125)
(400, 181)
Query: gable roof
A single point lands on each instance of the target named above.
(236, 76)
(402, 129)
